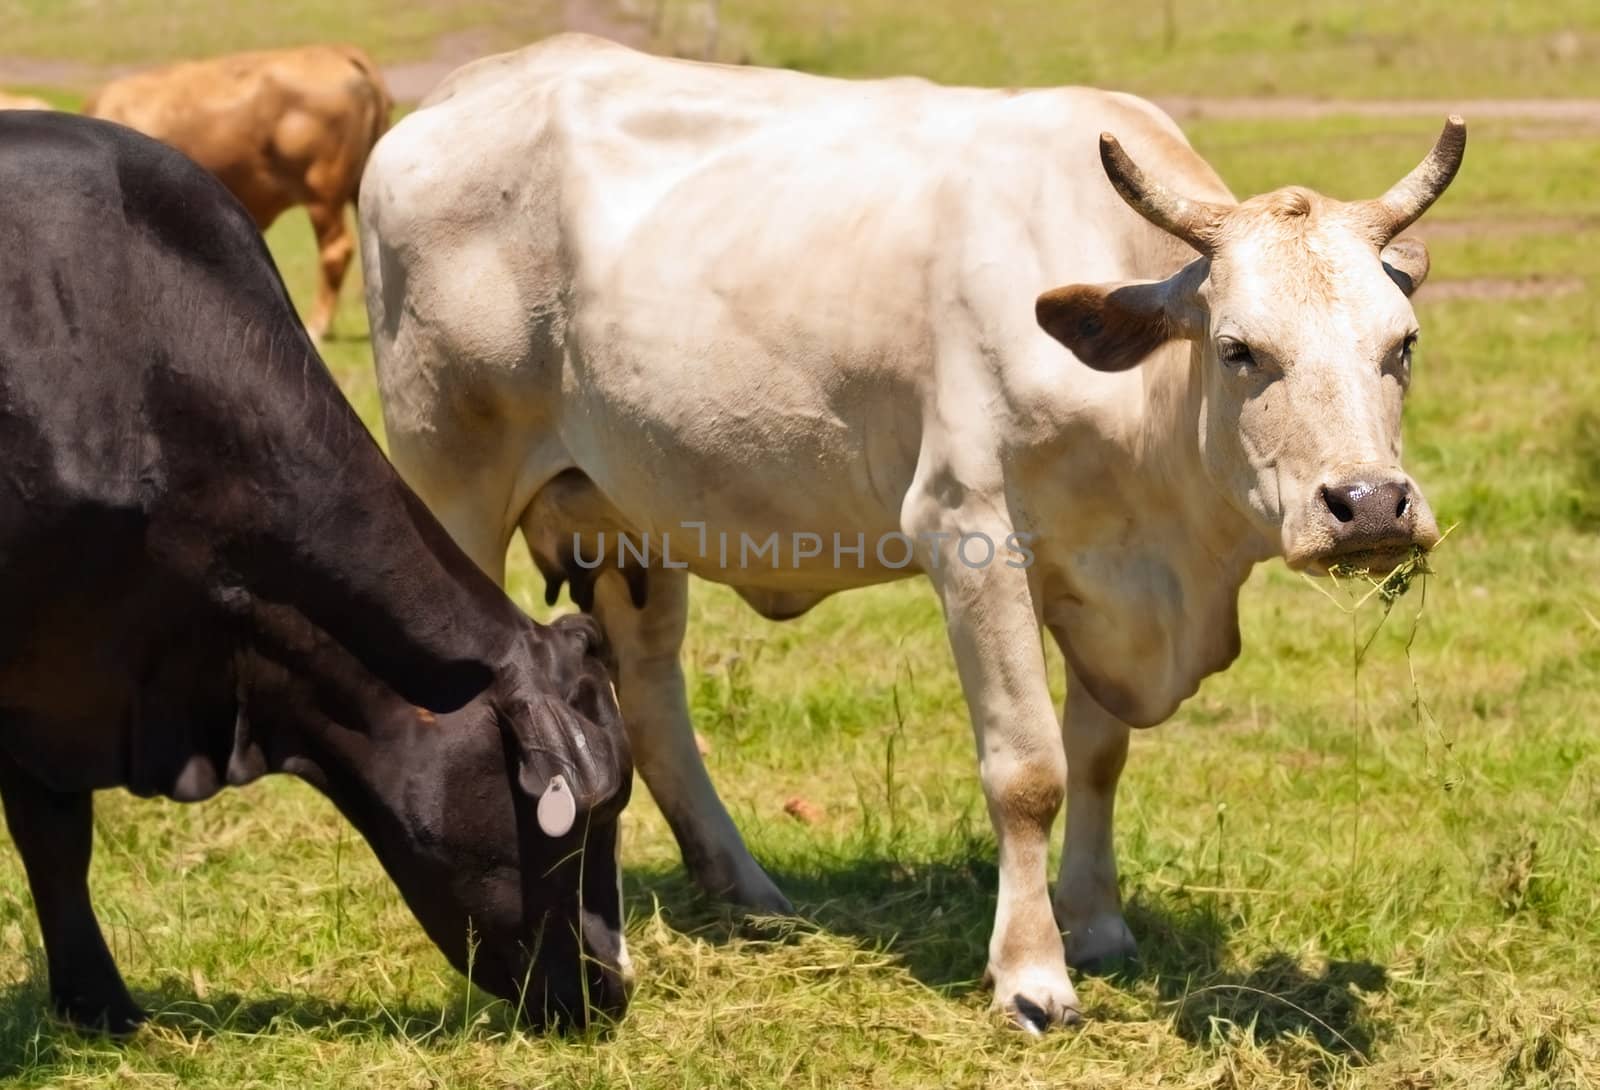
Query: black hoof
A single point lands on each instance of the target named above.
(1032, 1016)
(118, 1018)
(1113, 965)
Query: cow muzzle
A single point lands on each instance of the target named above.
(579, 979)
(1369, 520)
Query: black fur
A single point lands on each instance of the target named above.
(208, 571)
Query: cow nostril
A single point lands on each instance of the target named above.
(1401, 507)
(1336, 504)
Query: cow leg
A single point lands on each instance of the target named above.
(1087, 905)
(995, 634)
(335, 245)
(53, 832)
(654, 702)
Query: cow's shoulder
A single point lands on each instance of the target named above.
(135, 220)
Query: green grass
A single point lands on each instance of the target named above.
(144, 32)
(1333, 884)
(1321, 48)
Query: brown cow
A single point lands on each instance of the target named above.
(22, 102)
(280, 128)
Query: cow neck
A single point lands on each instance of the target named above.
(350, 558)
(375, 757)
(1167, 445)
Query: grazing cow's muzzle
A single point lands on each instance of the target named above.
(527, 906)
(579, 975)
(583, 971)
(608, 973)
(1367, 518)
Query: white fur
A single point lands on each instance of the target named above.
(770, 302)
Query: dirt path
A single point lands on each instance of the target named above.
(1582, 111)
(1549, 117)
(1504, 227)
(1501, 289)
(602, 19)
(410, 82)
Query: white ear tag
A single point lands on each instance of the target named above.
(557, 810)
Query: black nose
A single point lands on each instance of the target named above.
(606, 994)
(573, 994)
(604, 958)
(1366, 513)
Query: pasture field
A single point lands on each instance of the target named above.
(1320, 48)
(1345, 869)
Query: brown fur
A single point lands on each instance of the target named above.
(1287, 219)
(1109, 330)
(280, 128)
(1290, 204)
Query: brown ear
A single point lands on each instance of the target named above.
(1109, 327)
(1406, 261)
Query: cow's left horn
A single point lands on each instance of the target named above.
(1193, 221)
(1412, 195)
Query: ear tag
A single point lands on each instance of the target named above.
(557, 810)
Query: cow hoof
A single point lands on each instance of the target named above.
(1110, 965)
(1037, 1000)
(1101, 946)
(117, 1018)
(745, 885)
(761, 898)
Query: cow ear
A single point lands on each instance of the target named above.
(1406, 261)
(1112, 327)
(571, 757)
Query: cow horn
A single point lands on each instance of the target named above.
(1191, 220)
(1408, 198)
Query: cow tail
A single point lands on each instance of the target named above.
(382, 109)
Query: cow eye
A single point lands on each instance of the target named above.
(1235, 353)
(1405, 348)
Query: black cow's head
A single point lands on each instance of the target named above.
(499, 823)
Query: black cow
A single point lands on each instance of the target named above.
(208, 572)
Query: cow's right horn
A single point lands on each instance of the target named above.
(1193, 221)
(1408, 198)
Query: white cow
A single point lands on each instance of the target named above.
(22, 102)
(611, 292)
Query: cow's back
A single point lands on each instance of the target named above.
(617, 159)
(272, 125)
(142, 289)
(169, 436)
(661, 272)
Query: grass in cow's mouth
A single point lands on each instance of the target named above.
(1389, 588)
(1361, 585)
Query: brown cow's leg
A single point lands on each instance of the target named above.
(335, 245)
(53, 833)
